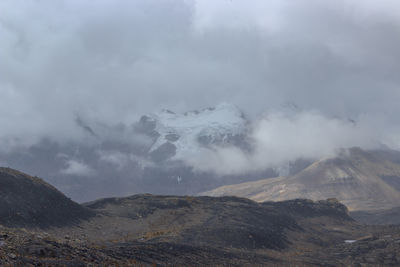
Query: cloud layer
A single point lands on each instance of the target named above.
(281, 138)
(111, 61)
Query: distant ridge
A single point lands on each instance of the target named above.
(362, 180)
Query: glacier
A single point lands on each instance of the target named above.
(193, 131)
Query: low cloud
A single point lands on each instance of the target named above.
(77, 168)
(120, 160)
(280, 138)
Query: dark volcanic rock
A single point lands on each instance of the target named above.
(164, 152)
(172, 137)
(221, 222)
(306, 207)
(27, 201)
(240, 223)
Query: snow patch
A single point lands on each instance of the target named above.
(187, 130)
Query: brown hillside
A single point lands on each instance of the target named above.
(361, 180)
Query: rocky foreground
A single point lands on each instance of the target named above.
(149, 230)
(179, 231)
(19, 247)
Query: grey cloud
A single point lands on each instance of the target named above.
(114, 60)
(280, 138)
(74, 167)
(108, 62)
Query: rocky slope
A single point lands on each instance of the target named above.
(361, 180)
(149, 230)
(203, 221)
(28, 201)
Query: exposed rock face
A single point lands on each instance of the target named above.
(163, 152)
(357, 178)
(30, 202)
(147, 125)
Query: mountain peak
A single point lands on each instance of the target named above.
(178, 135)
(220, 111)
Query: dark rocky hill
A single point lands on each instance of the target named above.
(224, 222)
(149, 230)
(27, 201)
(235, 225)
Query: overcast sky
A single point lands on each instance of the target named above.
(112, 60)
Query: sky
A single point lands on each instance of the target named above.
(111, 61)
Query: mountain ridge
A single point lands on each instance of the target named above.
(179, 135)
(355, 177)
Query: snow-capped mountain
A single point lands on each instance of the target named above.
(177, 136)
(148, 156)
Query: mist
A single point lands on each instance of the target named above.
(281, 138)
(84, 72)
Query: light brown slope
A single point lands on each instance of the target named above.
(357, 178)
